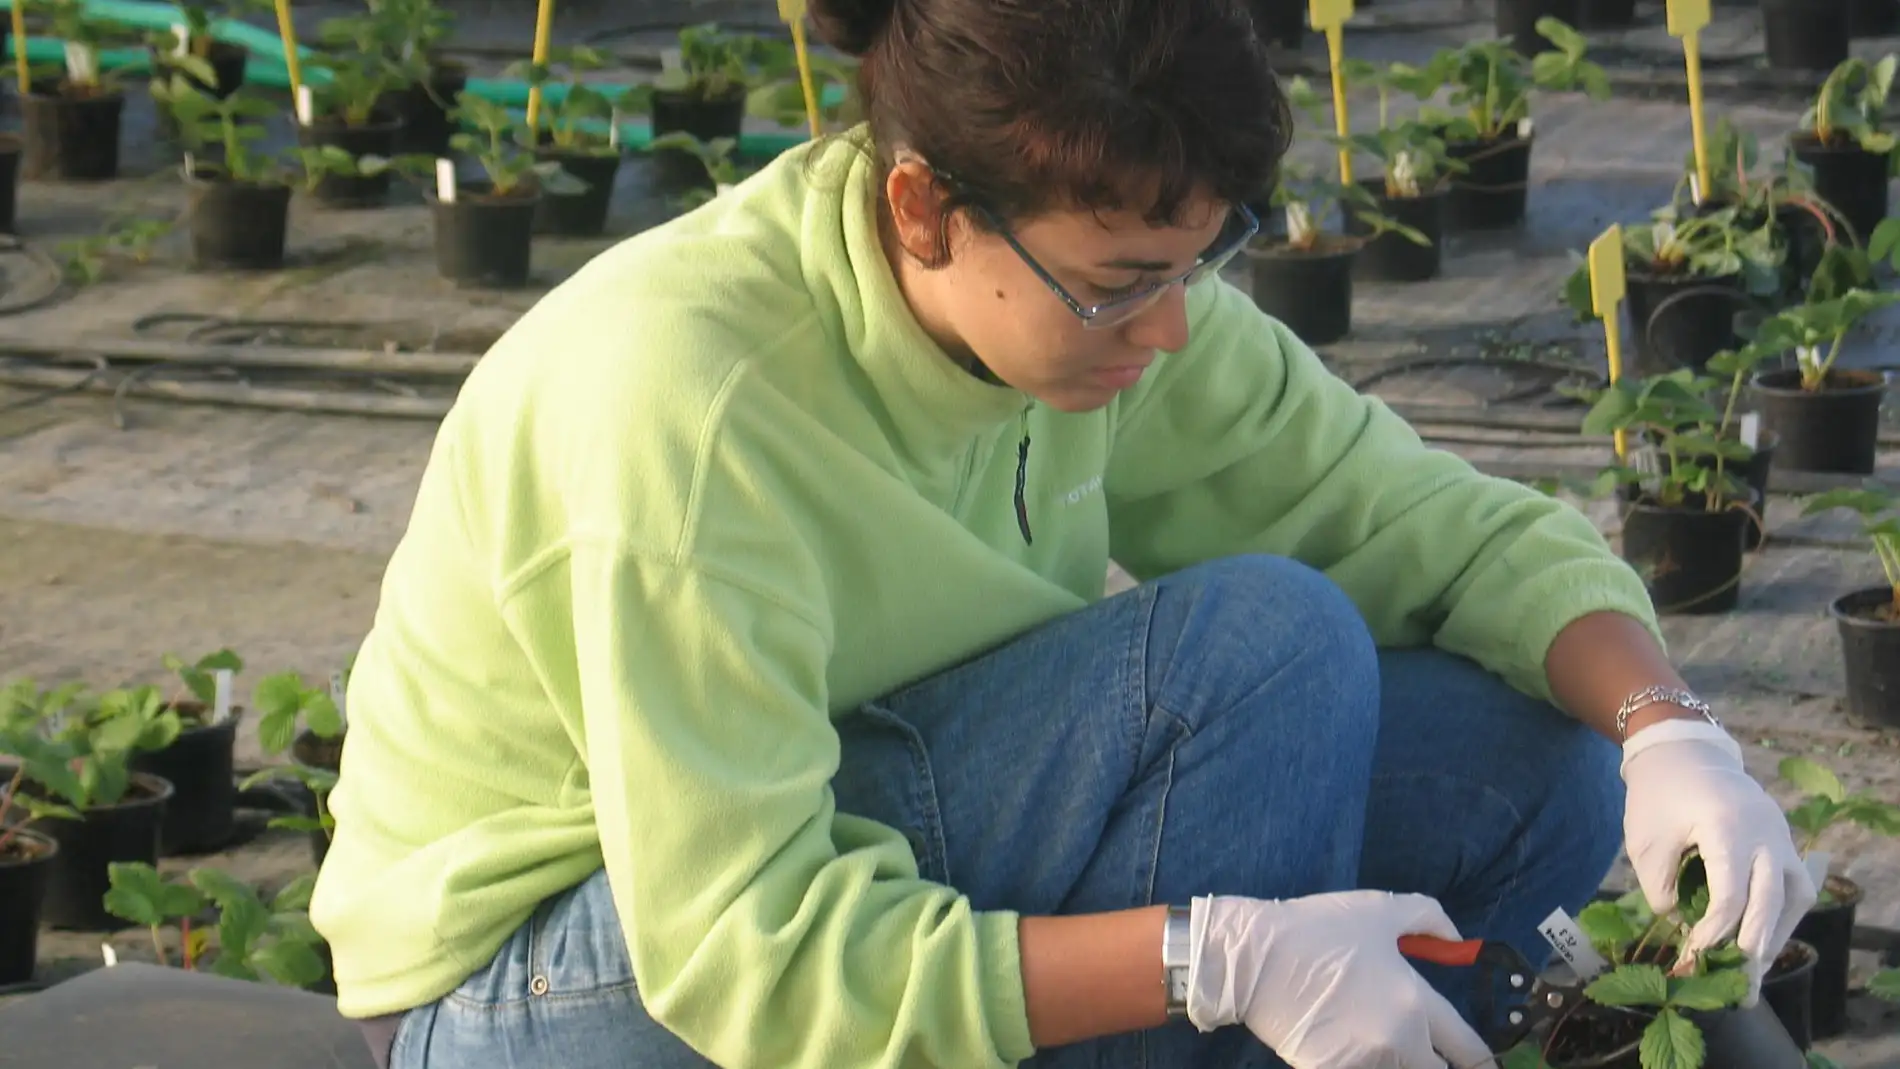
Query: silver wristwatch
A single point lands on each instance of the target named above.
(1649, 696)
(1176, 942)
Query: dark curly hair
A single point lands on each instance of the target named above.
(1021, 106)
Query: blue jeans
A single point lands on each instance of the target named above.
(1229, 729)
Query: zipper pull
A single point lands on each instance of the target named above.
(1022, 481)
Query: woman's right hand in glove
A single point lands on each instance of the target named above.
(1321, 982)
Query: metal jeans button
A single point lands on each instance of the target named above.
(538, 985)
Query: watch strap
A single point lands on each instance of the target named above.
(1177, 943)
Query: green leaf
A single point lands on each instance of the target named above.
(1813, 777)
(1630, 985)
(242, 915)
(1814, 816)
(290, 962)
(133, 894)
(1672, 1041)
(1709, 992)
(295, 895)
(1608, 928)
(1885, 985)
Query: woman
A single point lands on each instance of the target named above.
(743, 693)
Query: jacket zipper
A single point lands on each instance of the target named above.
(1022, 479)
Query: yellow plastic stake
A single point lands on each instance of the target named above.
(543, 29)
(19, 47)
(1606, 294)
(1330, 17)
(287, 30)
(1686, 20)
(793, 14)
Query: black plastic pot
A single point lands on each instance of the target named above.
(423, 109)
(1870, 651)
(228, 63)
(1492, 192)
(1810, 35)
(1873, 18)
(1606, 15)
(1829, 929)
(1311, 292)
(1754, 473)
(1690, 559)
(1752, 1038)
(1788, 989)
(1281, 22)
(1850, 178)
(23, 876)
(239, 224)
(71, 138)
(76, 887)
(376, 138)
(201, 767)
(676, 171)
(1393, 257)
(1517, 21)
(485, 241)
(582, 214)
(1681, 321)
(9, 182)
(1834, 429)
(313, 751)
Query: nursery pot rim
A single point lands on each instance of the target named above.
(60, 96)
(1838, 610)
(380, 121)
(191, 707)
(1439, 189)
(1330, 246)
(600, 151)
(1509, 137)
(213, 177)
(49, 849)
(159, 790)
(1839, 382)
(477, 195)
(1848, 894)
(1846, 146)
(682, 96)
(1637, 274)
(1810, 960)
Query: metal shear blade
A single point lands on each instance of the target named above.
(1532, 1000)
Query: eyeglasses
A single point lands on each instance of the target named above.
(1241, 226)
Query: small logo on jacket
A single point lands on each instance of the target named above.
(1075, 496)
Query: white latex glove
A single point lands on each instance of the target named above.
(1687, 787)
(1321, 982)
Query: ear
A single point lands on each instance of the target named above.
(917, 209)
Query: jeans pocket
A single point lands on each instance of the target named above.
(577, 945)
(884, 775)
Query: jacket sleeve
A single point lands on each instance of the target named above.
(1243, 442)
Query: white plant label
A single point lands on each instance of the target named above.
(445, 180)
(671, 62)
(82, 63)
(1299, 224)
(111, 955)
(1818, 863)
(1751, 429)
(337, 695)
(181, 39)
(191, 165)
(722, 189)
(1567, 939)
(613, 127)
(306, 106)
(1695, 189)
(221, 707)
(1524, 126)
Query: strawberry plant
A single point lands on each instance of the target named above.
(1879, 511)
(250, 938)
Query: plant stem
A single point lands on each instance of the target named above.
(10, 833)
(1819, 377)
(158, 945)
(184, 934)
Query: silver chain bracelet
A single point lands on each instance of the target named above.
(1649, 696)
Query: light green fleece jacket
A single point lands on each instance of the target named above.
(720, 488)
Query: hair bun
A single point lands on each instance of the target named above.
(851, 26)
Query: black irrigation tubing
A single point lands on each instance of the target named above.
(1550, 371)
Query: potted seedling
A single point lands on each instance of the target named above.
(224, 926)
(1828, 418)
(26, 855)
(221, 65)
(1844, 140)
(704, 95)
(307, 723)
(1490, 129)
(1869, 619)
(1653, 1009)
(581, 137)
(484, 230)
(199, 761)
(1829, 926)
(86, 768)
(1754, 462)
(72, 115)
(1778, 200)
(1684, 530)
(239, 198)
(1410, 189)
(349, 111)
(783, 101)
(1805, 35)
(1687, 277)
(425, 83)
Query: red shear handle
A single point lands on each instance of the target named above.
(1441, 951)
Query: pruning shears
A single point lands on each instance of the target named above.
(1534, 1000)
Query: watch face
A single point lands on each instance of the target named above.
(1178, 985)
